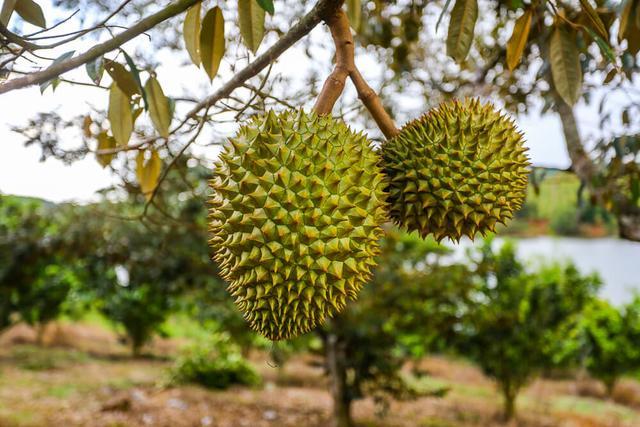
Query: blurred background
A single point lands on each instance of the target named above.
(112, 313)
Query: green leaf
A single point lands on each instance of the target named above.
(461, 28)
(148, 172)
(120, 115)
(444, 10)
(191, 32)
(251, 22)
(603, 45)
(31, 12)
(354, 12)
(212, 41)
(518, 40)
(105, 142)
(56, 80)
(267, 5)
(136, 76)
(565, 64)
(159, 108)
(593, 16)
(7, 10)
(95, 70)
(123, 78)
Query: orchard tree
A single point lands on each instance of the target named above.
(512, 329)
(38, 260)
(606, 341)
(409, 302)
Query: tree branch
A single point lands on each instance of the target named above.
(95, 52)
(346, 67)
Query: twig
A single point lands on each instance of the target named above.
(95, 52)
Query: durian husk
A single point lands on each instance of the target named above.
(296, 217)
(458, 170)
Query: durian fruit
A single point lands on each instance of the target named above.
(296, 216)
(458, 170)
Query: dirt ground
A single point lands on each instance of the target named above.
(94, 383)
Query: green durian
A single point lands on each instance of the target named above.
(458, 170)
(296, 217)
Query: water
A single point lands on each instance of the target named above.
(616, 261)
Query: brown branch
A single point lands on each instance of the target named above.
(95, 52)
(345, 52)
(346, 67)
(372, 101)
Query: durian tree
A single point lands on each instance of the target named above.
(410, 307)
(605, 341)
(513, 329)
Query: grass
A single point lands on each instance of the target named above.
(595, 408)
(48, 387)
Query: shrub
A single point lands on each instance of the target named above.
(215, 364)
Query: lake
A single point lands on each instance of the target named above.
(616, 261)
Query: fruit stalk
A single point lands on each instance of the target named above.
(338, 23)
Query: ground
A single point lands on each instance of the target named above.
(94, 383)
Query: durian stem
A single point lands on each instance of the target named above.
(372, 102)
(345, 52)
(345, 67)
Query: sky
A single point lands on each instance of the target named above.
(22, 172)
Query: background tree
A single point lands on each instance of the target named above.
(409, 300)
(518, 316)
(606, 340)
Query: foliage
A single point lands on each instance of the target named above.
(216, 363)
(518, 316)
(412, 304)
(38, 264)
(140, 309)
(606, 340)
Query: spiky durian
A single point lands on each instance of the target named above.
(296, 213)
(457, 170)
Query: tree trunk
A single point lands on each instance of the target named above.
(629, 224)
(509, 393)
(628, 216)
(336, 363)
(610, 385)
(40, 329)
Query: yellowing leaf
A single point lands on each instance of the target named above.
(31, 12)
(191, 32)
(461, 27)
(610, 76)
(565, 64)
(212, 41)
(597, 23)
(518, 40)
(630, 26)
(158, 107)
(105, 142)
(7, 10)
(123, 78)
(626, 19)
(354, 12)
(120, 115)
(148, 172)
(86, 126)
(251, 22)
